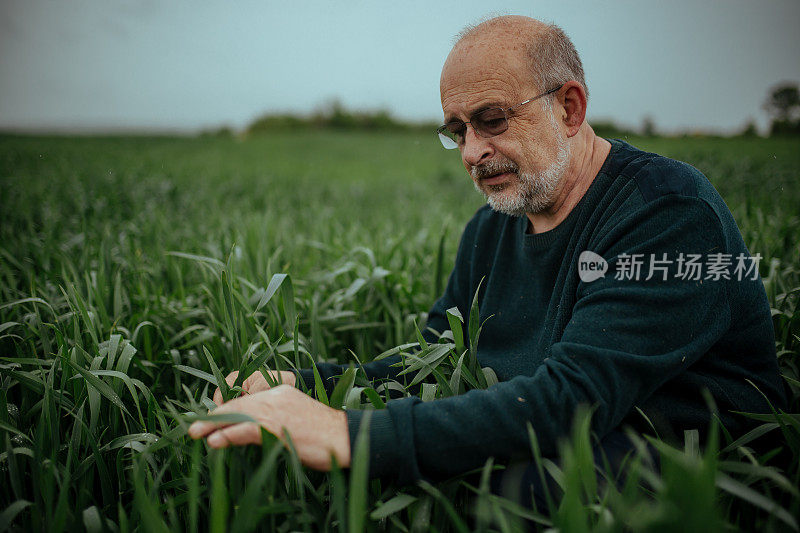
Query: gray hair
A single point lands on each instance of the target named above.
(554, 59)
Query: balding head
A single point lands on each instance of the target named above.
(515, 26)
(545, 50)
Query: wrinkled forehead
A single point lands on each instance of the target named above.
(483, 69)
(478, 55)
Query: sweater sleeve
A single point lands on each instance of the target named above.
(375, 370)
(625, 338)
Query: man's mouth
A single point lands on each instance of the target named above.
(495, 179)
(494, 173)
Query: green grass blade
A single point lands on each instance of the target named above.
(197, 373)
(393, 505)
(11, 512)
(273, 286)
(456, 322)
(745, 493)
(319, 389)
(100, 386)
(219, 493)
(221, 383)
(359, 471)
(342, 387)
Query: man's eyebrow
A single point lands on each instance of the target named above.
(484, 107)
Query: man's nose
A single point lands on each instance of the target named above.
(476, 149)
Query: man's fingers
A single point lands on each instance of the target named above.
(255, 383)
(236, 435)
(317, 430)
(201, 428)
(247, 405)
(218, 396)
(230, 379)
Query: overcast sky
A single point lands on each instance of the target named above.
(179, 64)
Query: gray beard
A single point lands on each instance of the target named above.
(535, 191)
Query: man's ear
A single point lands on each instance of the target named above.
(572, 97)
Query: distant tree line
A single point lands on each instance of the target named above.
(334, 116)
(782, 105)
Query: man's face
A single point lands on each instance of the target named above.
(519, 170)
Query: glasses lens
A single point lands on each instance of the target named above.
(447, 142)
(490, 122)
(452, 134)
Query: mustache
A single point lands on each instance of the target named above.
(492, 168)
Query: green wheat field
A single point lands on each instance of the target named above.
(135, 271)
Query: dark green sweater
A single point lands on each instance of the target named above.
(556, 342)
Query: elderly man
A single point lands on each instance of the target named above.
(611, 277)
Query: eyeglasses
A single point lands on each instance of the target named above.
(486, 123)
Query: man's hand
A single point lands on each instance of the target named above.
(256, 382)
(317, 431)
